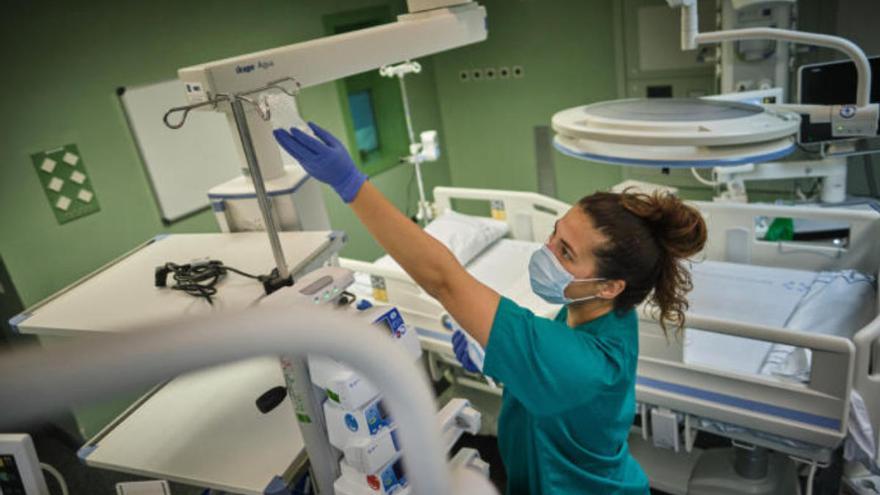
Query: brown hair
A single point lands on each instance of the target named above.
(648, 238)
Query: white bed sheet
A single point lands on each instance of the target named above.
(747, 293)
(785, 298)
(751, 294)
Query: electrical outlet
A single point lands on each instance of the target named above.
(477, 74)
(490, 73)
(464, 76)
(503, 72)
(518, 71)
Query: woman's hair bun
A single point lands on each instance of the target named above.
(649, 236)
(679, 228)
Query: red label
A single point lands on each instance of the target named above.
(373, 481)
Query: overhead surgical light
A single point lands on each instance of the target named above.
(672, 133)
(699, 133)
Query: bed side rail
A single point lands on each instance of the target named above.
(396, 288)
(867, 372)
(815, 412)
(732, 237)
(530, 215)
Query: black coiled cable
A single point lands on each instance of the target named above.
(200, 278)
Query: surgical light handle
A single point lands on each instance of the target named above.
(38, 382)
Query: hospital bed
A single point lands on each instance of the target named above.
(779, 334)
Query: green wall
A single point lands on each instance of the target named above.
(566, 48)
(64, 61)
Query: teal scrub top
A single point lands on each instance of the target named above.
(569, 401)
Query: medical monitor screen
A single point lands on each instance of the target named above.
(832, 83)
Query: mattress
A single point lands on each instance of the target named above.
(778, 297)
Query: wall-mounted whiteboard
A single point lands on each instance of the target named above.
(182, 164)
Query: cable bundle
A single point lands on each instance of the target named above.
(199, 278)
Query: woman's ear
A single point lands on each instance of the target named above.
(611, 289)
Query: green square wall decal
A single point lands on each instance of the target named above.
(66, 182)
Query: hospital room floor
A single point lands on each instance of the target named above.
(58, 449)
(487, 446)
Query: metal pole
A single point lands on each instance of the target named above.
(423, 203)
(307, 403)
(323, 458)
(250, 155)
(406, 114)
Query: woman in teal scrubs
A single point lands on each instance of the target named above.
(569, 382)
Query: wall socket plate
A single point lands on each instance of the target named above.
(491, 73)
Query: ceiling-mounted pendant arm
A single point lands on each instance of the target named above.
(690, 22)
(334, 57)
(863, 68)
(691, 37)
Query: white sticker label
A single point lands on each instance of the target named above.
(78, 177)
(56, 184)
(70, 159)
(85, 195)
(48, 165)
(63, 203)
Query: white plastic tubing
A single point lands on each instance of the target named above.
(38, 382)
(690, 37)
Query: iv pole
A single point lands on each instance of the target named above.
(281, 275)
(425, 30)
(400, 71)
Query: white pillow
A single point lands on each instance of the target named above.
(465, 235)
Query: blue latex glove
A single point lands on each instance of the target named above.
(325, 159)
(462, 347)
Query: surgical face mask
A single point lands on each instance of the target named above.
(549, 279)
